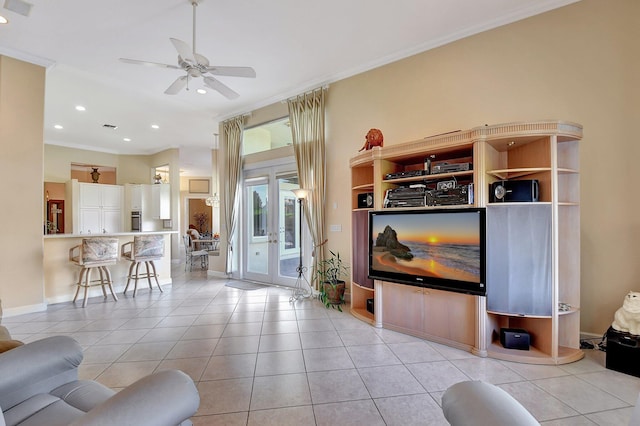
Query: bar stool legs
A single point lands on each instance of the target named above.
(150, 273)
(105, 280)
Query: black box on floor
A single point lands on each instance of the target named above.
(370, 305)
(515, 338)
(623, 352)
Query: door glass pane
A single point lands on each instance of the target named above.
(289, 227)
(258, 233)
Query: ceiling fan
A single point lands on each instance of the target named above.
(197, 65)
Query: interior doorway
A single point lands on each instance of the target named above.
(200, 216)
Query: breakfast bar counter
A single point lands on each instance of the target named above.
(61, 275)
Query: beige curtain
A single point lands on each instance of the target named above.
(232, 129)
(306, 113)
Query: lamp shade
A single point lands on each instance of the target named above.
(300, 193)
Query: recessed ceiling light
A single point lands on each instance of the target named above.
(201, 91)
(57, 126)
(3, 20)
(127, 139)
(80, 108)
(155, 126)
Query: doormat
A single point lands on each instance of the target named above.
(243, 285)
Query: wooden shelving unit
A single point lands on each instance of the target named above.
(547, 151)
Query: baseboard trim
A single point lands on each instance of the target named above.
(589, 336)
(20, 310)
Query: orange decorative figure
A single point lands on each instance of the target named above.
(373, 138)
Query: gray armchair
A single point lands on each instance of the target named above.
(39, 386)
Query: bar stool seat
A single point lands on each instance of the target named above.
(143, 249)
(95, 253)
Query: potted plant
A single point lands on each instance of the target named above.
(201, 219)
(331, 274)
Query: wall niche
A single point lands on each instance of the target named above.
(91, 173)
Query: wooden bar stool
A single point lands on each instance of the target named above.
(95, 253)
(143, 249)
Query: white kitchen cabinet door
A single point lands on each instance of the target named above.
(161, 201)
(112, 197)
(90, 195)
(90, 220)
(136, 197)
(111, 220)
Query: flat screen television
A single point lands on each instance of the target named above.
(437, 248)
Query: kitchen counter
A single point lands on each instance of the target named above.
(61, 275)
(112, 234)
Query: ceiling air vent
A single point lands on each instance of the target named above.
(18, 6)
(109, 126)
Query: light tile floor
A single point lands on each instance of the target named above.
(259, 360)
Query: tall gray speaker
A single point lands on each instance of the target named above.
(519, 259)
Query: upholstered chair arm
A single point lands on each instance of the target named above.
(126, 248)
(166, 398)
(37, 367)
(74, 254)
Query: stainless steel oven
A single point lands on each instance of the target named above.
(136, 221)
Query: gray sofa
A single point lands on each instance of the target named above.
(476, 403)
(39, 386)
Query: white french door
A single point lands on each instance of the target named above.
(271, 226)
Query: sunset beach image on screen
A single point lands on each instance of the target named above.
(442, 245)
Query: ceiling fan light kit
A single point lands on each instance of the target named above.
(196, 65)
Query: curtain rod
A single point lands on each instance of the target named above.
(325, 87)
(245, 115)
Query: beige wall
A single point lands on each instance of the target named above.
(58, 159)
(129, 168)
(21, 135)
(578, 63)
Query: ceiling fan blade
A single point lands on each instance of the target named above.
(233, 71)
(183, 50)
(177, 85)
(220, 87)
(149, 64)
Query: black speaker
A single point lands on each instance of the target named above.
(365, 200)
(514, 338)
(370, 307)
(514, 191)
(623, 350)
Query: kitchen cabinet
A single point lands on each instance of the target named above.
(99, 208)
(160, 201)
(135, 197)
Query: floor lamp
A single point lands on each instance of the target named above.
(302, 290)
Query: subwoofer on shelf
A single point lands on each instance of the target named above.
(365, 200)
(514, 191)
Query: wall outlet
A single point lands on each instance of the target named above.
(335, 228)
